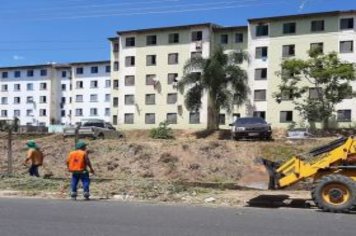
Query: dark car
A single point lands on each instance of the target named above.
(251, 128)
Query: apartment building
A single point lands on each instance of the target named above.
(148, 62)
(55, 93)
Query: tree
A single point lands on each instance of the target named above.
(324, 76)
(221, 78)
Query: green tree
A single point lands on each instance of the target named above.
(220, 77)
(327, 76)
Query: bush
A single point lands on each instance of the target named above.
(162, 132)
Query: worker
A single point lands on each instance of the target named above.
(34, 155)
(77, 162)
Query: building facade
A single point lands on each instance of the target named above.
(55, 94)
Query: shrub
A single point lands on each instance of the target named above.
(162, 132)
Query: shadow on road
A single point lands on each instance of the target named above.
(278, 201)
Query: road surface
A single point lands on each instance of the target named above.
(36, 217)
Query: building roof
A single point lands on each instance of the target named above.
(231, 28)
(299, 16)
(27, 67)
(89, 62)
(54, 65)
(170, 28)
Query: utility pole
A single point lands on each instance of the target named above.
(9, 152)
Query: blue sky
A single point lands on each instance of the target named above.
(42, 31)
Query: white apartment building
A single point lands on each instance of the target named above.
(55, 94)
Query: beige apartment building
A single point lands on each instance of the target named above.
(148, 63)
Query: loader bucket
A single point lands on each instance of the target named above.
(271, 168)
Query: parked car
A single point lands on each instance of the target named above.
(93, 128)
(251, 128)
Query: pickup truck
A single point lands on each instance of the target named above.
(97, 129)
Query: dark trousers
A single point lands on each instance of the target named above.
(84, 177)
(34, 170)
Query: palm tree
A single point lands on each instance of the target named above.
(221, 78)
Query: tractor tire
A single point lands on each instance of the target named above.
(334, 193)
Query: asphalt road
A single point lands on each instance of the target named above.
(55, 217)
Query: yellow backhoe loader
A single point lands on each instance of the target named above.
(332, 168)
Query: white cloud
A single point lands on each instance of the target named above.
(17, 57)
(302, 5)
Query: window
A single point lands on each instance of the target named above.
(346, 46)
(224, 39)
(107, 112)
(4, 74)
(172, 98)
(93, 112)
(197, 36)
(288, 50)
(344, 115)
(115, 47)
(286, 116)
(222, 119)
(17, 113)
(79, 98)
(235, 116)
(43, 86)
(107, 83)
(116, 84)
(129, 99)
(173, 38)
(261, 30)
(43, 99)
(64, 74)
(17, 74)
(261, 52)
(172, 58)
(261, 114)
(79, 70)
(194, 118)
(129, 118)
(196, 54)
(79, 84)
(129, 80)
(4, 88)
(317, 25)
(64, 87)
(287, 94)
(30, 73)
(17, 87)
(150, 99)
(107, 97)
(239, 37)
(346, 23)
(151, 40)
(130, 42)
(43, 72)
(318, 47)
(115, 102)
(63, 113)
(29, 86)
(43, 112)
(130, 61)
(63, 101)
(4, 100)
(93, 97)
(17, 100)
(172, 78)
(29, 99)
(78, 112)
(116, 65)
(314, 93)
(94, 69)
(3, 113)
(29, 112)
(289, 28)
(171, 118)
(93, 84)
(150, 79)
(107, 69)
(261, 74)
(151, 60)
(150, 118)
(260, 95)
